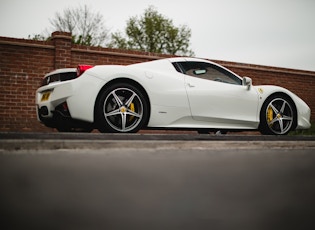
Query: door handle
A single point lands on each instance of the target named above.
(190, 85)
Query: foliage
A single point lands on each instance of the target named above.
(37, 37)
(86, 26)
(153, 33)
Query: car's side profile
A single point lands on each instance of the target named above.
(169, 93)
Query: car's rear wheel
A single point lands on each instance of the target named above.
(121, 108)
(277, 116)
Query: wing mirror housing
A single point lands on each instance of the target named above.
(247, 81)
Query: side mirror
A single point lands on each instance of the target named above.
(247, 81)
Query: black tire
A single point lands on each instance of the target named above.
(278, 115)
(121, 108)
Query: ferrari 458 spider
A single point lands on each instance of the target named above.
(174, 93)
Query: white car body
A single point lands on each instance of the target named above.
(176, 100)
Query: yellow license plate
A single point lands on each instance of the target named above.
(45, 96)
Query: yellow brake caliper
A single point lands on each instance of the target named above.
(269, 115)
(132, 108)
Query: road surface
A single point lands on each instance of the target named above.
(156, 184)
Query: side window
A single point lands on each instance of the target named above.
(209, 72)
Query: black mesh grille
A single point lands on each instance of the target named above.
(59, 77)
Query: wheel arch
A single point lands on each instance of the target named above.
(123, 80)
(288, 97)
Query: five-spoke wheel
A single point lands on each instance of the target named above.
(122, 108)
(278, 116)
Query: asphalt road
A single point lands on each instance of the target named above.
(156, 184)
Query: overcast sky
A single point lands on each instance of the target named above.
(266, 32)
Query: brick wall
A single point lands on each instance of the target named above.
(23, 63)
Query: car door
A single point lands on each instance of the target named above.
(218, 97)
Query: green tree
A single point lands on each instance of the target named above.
(37, 37)
(155, 33)
(86, 26)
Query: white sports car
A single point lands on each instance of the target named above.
(174, 93)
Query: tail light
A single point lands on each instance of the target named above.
(82, 68)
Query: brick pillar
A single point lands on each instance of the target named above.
(63, 43)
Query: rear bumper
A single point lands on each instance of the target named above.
(52, 106)
(51, 96)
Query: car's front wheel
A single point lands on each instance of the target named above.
(277, 116)
(121, 108)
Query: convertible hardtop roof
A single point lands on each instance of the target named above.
(178, 59)
(183, 59)
(164, 63)
(170, 60)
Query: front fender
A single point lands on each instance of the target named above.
(303, 110)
